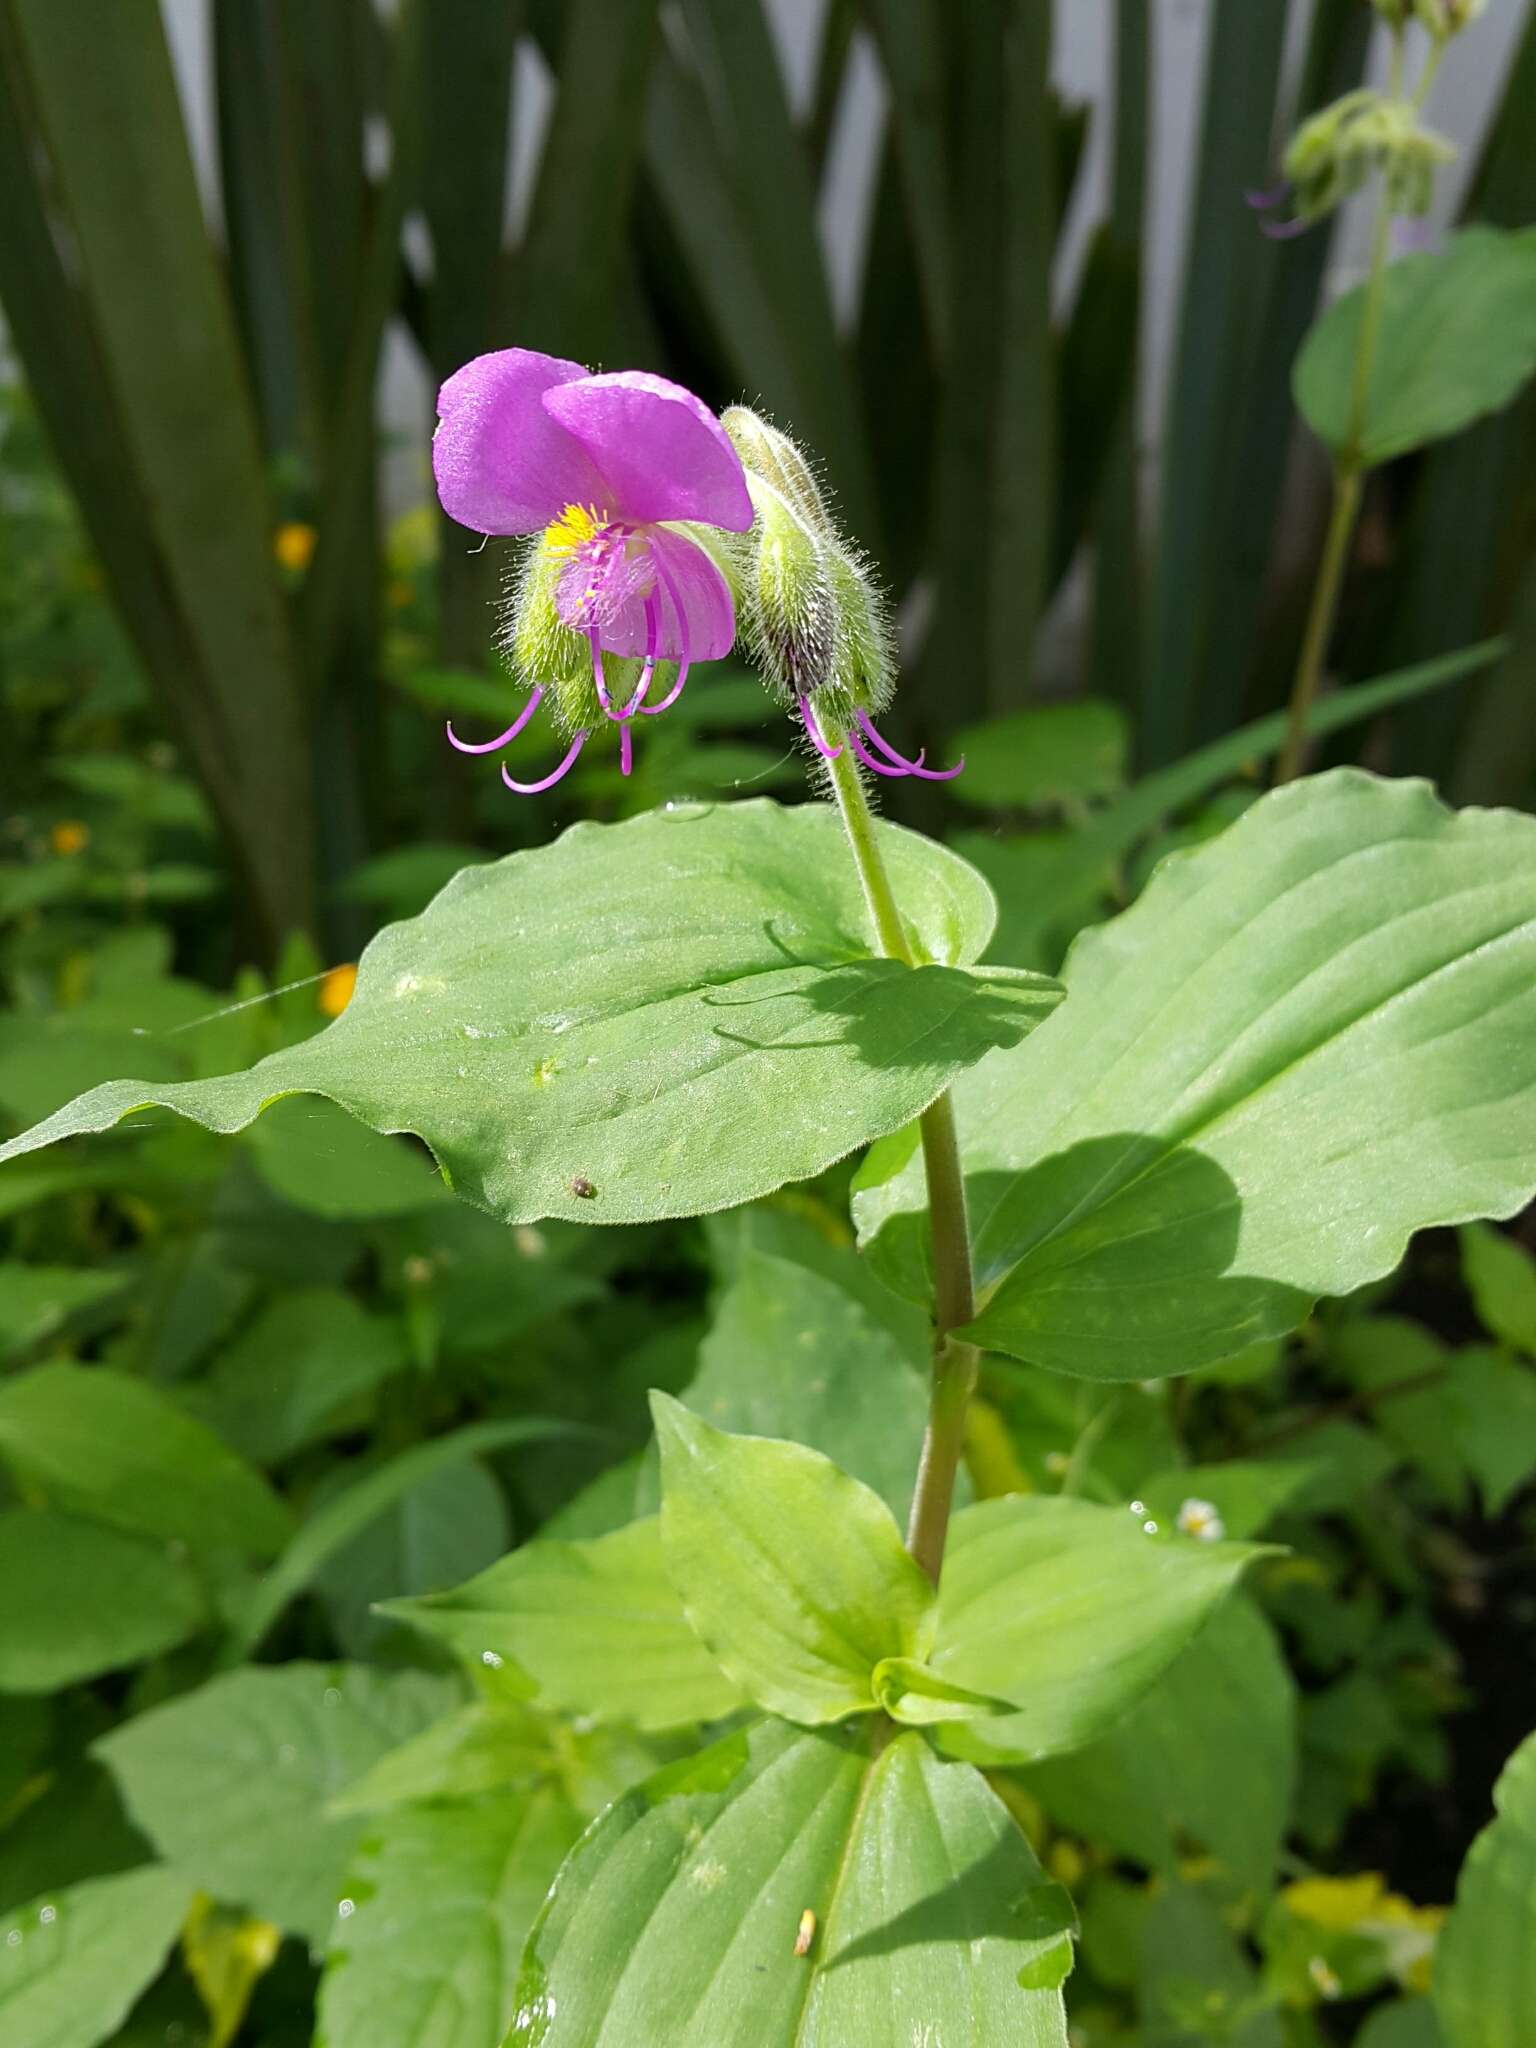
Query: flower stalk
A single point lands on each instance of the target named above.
(955, 1363)
(1348, 476)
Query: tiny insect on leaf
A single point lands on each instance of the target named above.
(806, 1934)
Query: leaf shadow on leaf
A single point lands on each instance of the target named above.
(982, 1902)
(1114, 1257)
(913, 1025)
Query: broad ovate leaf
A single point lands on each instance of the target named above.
(442, 1896)
(1485, 1965)
(596, 1627)
(78, 1599)
(1308, 1039)
(1208, 1754)
(794, 1574)
(1457, 339)
(98, 1439)
(792, 1353)
(787, 1889)
(73, 1961)
(656, 1018)
(231, 1782)
(1070, 1612)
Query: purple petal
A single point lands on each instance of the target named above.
(1277, 195)
(503, 464)
(662, 451)
(1283, 230)
(697, 617)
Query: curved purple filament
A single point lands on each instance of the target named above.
(511, 733)
(549, 781)
(626, 747)
(908, 767)
(862, 753)
(1261, 202)
(603, 698)
(652, 641)
(686, 652)
(1283, 230)
(808, 717)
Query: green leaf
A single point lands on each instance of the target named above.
(674, 1923)
(1309, 1039)
(485, 1747)
(1085, 857)
(73, 1962)
(342, 1519)
(441, 1903)
(1457, 340)
(595, 1626)
(322, 1160)
(1485, 1962)
(36, 1302)
(909, 1692)
(792, 1573)
(95, 1439)
(673, 1015)
(1196, 1984)
(1070, 1612)
(1226, 273)
(1246, 1493)
(792, 1354)
(1500, 1275)
(77, 1599)
(448, 1525)
(293, 1372)
(1209, 1753)
(231, 1782)
(1052, 754)
(1406, 2023)
(148, 400)
(1492, 1411)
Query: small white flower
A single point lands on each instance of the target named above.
(1199, 1518)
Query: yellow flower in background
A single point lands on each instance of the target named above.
(336, 990)
(69, 836)
(293, 544)
(1364, 1907)
(1340, 1903)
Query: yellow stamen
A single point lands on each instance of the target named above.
(576, 525)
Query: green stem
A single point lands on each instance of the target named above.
(955, 1363)
(1348, 478)
(1324, 610)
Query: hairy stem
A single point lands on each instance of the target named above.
(955, 1363)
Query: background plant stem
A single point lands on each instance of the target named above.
(955, 1363)
(1349, 469)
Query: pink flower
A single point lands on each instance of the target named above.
(608, 468)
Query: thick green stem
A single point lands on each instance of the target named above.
(954, 1304)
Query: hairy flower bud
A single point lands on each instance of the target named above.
(1447, 18)
(771, 456)
(1337, 150)
(815, 624)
